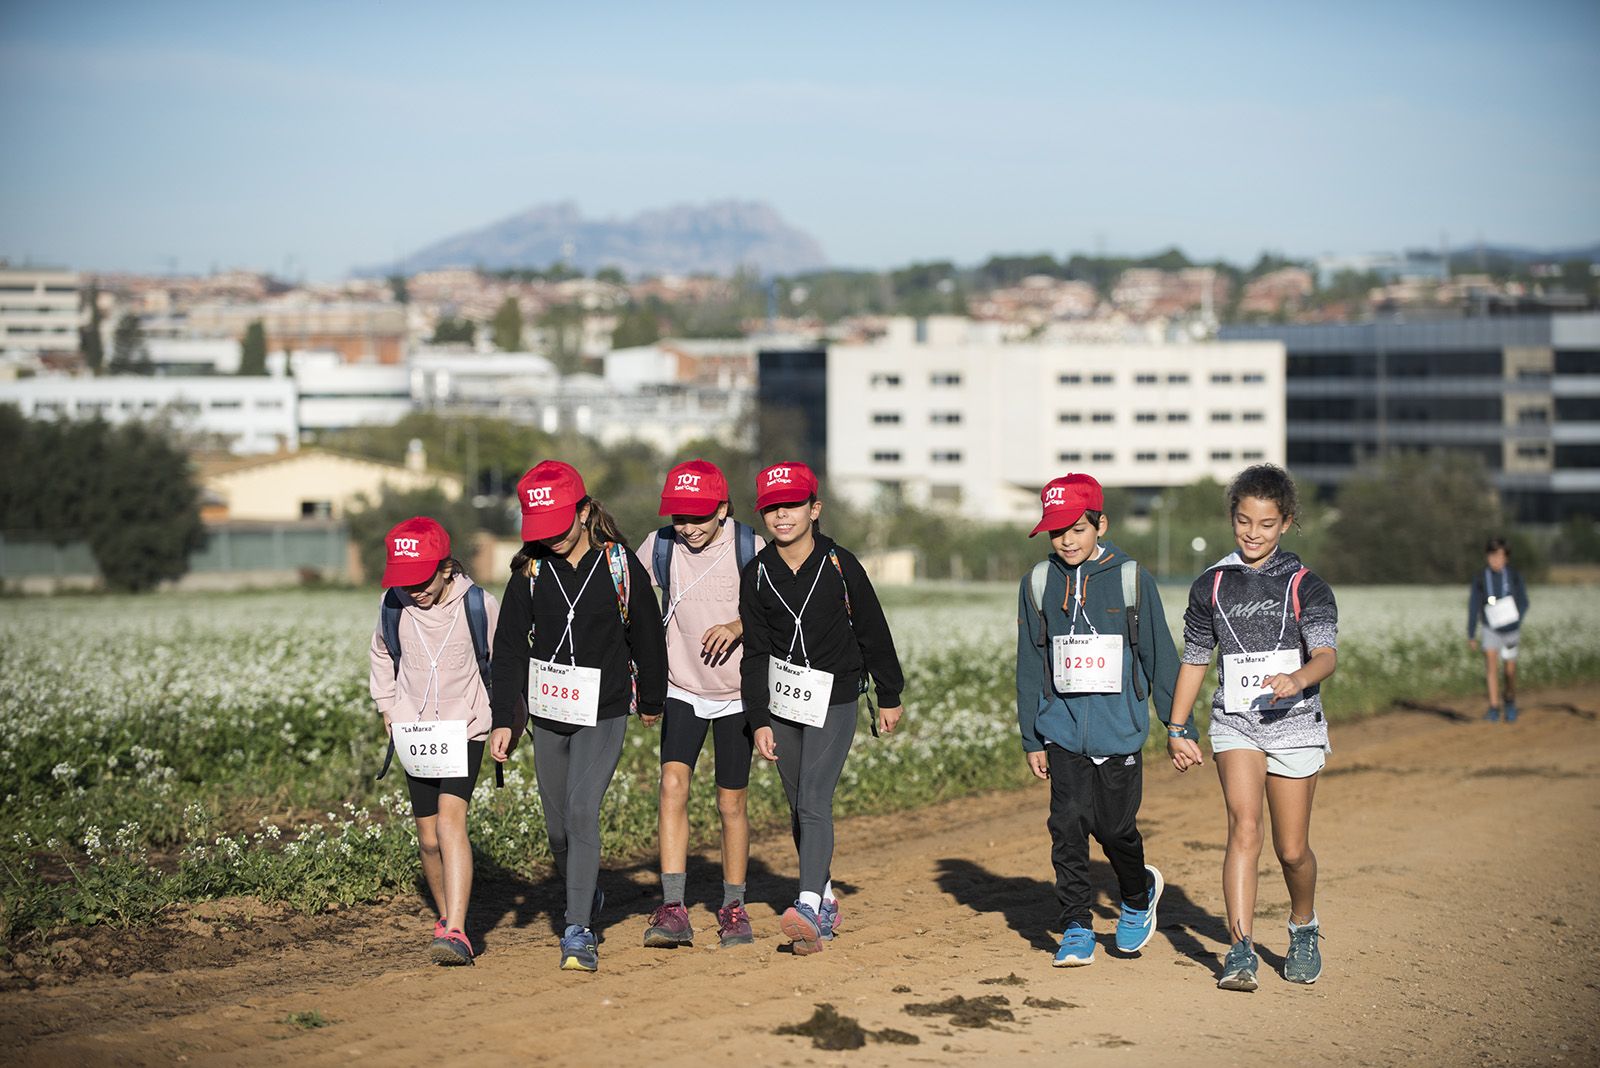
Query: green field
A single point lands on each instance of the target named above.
(181, 747)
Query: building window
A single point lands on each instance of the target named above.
(946, 456)
(1254, 378)
(1533, 416)
(1145, 457)
(944, 493)
(1069, 417)
(1103, 417)
(1221, 378)
(1534, 451)
(1069, 380)
(945, 418)
(1145, 380)
(886, 456)
(269, 405)
(226, 405)
(1177, 417)
(884, 380)
(1068, 457)
(1178, 457)
(1222, 417)
(945, 378)
(1103, 457)
(1221, 454)
(1144, 417)
(1103, 380)
(1253, 454)
(1255, 417)
(1178, 380)
(886, 418)
(316, 509)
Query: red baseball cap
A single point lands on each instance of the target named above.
(785, 484)
(549, 494)
(1066, 498)
(695, 487)
(414, 549)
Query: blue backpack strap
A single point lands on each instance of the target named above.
(661, 563)
(478, 625)
(389, 625)
(617, 564)
(744, 544)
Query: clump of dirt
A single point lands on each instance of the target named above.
(1006, 980)
(967, 1012)
(828, 1030)
(1049, 1003)
(1504, 772)
(1197, 846)
(895, 1038)
(901, 989)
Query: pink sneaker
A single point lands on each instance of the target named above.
(799, 924)
(451, 950)
(733, 925)
(439, 929)
(669, 927)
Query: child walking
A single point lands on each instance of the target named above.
(581, 634)
(1092, 648)
(1276, 624)
(1499, 599)
(695, 562)
(429, 662)
(813, 630)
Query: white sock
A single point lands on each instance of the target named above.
(827, 892)
(1312, 922)
(811, 900)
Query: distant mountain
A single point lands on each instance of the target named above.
(715, 238)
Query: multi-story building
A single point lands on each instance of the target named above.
(980, 425)
(246, 415)
(359, 331)
(1520, 392)
(41, 311)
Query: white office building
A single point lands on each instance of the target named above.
(946, 417)
(247, 415)
(334, 395)
(40, 310)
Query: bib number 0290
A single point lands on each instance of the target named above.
(1086, 663)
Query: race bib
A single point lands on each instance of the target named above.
(1501, 612)
(1242, 689)
(564, 693)
(432, 749)
(798, 694)
(1087, 663)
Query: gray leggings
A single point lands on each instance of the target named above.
(810, 761)
(574, 771)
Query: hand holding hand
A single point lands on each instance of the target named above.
(1185, 753)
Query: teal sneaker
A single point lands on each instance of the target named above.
(1135, 927)
(579, 951)
(1239, 969)
(1303, 964)
(1077, 947)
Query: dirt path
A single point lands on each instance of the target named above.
(1458, 865)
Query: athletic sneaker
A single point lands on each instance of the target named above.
(828, 918)
(1135, 927)
(1511, 711)
(1239, 969)
(579, 951)
(1493, 715)
(733, 925)
(439, 929)
(1077, 947)
(669, 926)
(451, 949)
(1303, 963)
(803, 928)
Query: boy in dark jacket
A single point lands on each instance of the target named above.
(1499, 599)
(1089, 656)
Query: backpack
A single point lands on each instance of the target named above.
(744, 550)
(1131, 600)
(389, 614)
(617, 564)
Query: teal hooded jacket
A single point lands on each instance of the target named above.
(1093, 724)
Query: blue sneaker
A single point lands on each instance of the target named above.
(1303, 962)
(803, 928)
(1493, 715)
(1511, 711)
(1077, 947)
(1239, 968)
(579, 951)
(828, 918)
(1135, 927)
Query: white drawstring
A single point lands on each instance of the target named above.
(799, 632)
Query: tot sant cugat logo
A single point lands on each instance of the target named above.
(407, 546)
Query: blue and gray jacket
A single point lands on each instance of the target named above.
(1487, 584)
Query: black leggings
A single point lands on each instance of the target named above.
(425, 792)
(683, 735)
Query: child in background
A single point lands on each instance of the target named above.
(427, 662)
(695, 562)
(1277, 626)
(1499, 599)
(813, 629)
(1084, 680)
(581, 633)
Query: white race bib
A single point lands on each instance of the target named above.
(1501, 612)
(798, 694)
(1087, 663)
(432, 749)
(1242, 689)
(564, 693)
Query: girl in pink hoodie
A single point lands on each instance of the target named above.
(428, 657)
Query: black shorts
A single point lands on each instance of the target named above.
(425, 792)
(683, 735)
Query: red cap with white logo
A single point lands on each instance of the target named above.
(414, 551)
(693, 488)
(1066, 498)
(785, 484)
(549, 496)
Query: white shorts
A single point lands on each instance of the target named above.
(1505, 643)
(1300, 762)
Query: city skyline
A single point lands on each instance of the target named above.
(308, 142)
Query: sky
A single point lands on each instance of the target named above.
(307, 139)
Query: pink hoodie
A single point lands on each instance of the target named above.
(708, 584)
(455, 690)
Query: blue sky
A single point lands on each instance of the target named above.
(310, 138)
